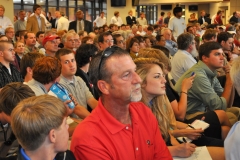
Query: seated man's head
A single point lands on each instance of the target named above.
(211, 54)
(7, 53)
(47, 70)
(50, 43)
(40, 36)
(40, 121)
(113, 75)
(68, 62)
(30, 39)
(225, 39)
(68, 40)
(167, 34)
(84, 54)
(119, 41)
(10, 95)
(105, 40)
(210, 35)
(27, 62)
(186, 42)
(9, 32)
(160, 40)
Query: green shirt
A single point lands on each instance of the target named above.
(206, 90)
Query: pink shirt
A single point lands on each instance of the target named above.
(101, 136)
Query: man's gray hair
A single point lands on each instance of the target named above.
(185, 40)
(164, 30)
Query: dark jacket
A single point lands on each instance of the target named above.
(200, 20)
(131, 21)
(88, 26)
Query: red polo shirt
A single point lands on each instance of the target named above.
(101, 136)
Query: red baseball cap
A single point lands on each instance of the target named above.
(49, 38)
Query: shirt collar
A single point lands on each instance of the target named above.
(208, 71)
(25, 156)
(112, 124)
(66, 80)
(186, 52)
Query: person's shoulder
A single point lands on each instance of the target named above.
(88, 127)
(72, 22)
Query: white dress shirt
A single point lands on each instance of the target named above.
(100, 21)
(62, 24)
(4, 23)
(116, 20)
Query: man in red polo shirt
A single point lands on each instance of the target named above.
(119, 127)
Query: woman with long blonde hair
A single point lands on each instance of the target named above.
(153, 95)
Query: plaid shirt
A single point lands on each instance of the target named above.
(5, 76)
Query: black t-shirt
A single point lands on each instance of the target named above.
(171, 94)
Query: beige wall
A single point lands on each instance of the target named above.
(234, 6)
(216, 6)
(8, 4)
(122, 10)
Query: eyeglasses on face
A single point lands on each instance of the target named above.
(108, 41)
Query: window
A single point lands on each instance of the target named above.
(151, 13)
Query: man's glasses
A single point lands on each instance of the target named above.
(106, 53)
(121, 41)
(108, 41)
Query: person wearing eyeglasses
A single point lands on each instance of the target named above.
(105, 40)
(119, 127)
(8, 72)
(119, 41)
(184, 58)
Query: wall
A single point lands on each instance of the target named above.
(215, 7)
(8, 4)
(187, 13)
(204, 7)
(122, 10)
(234, 6)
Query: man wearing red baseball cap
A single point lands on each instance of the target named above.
(51, 45)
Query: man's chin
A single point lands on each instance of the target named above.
(136, 98)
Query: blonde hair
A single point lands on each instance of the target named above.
(155, 53)
(160, 106)
(34, 117)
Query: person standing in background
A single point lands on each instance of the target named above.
(218, 19)
(116, 19)
(21, 23)
(160, 21)
(131, 20)
(201, 19)
(36, 23)
(166, 20)
(142, 20)
(100, 20)
(177, 23)
(4, 21)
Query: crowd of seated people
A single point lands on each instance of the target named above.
(136, 87)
